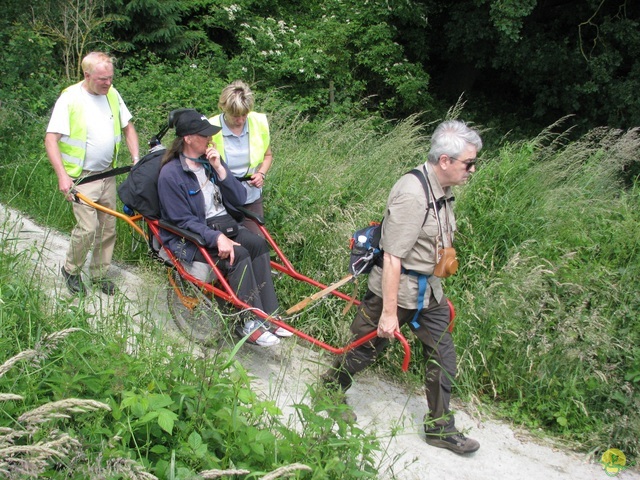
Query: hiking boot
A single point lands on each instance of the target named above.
(330, 393)
(344, 411)
(455, 441)
(74, 282)
(106, 286)
(257, 334)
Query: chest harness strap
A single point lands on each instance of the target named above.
(422, 289)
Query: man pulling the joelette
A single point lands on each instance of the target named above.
(407, 289)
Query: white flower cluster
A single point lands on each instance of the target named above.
(232, 10)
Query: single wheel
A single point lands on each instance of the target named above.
(196, 315)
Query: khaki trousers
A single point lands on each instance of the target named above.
(93, 228)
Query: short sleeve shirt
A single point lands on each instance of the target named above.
(407, 235)
(236, 154)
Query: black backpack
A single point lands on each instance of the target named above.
(139, 191)
(365, 243)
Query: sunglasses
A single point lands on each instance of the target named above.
(467, 163)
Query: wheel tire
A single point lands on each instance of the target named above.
(202, 322)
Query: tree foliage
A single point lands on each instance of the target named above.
(337, 53)
(156, 25)
(549, 58)
(537, 59)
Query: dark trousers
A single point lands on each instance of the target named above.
(438, 353)
(257, 208)
(250, 274)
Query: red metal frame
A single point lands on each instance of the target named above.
(224, 291)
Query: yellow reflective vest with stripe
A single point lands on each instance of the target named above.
(73, 147)
(259, 138)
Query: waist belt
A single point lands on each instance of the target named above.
(422, 289)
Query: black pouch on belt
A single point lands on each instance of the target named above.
(225, 224)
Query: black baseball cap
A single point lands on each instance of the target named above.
(192, 122)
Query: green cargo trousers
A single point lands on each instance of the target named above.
(438, 353)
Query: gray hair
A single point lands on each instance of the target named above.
(451, 138)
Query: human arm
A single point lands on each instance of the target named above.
(233, 193)
(213, 156)
(65, 182)
(131, 139)
(388, 324)
(257, 179)
(181, 203)
(235, 196)
(401, 230)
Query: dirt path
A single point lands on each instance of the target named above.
(283, 373)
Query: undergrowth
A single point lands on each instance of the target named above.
(546, 294)
(85, 395)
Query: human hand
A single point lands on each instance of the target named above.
(225, 248)
(65, 185)
(213, 156)
(388, 325)
(257, 179)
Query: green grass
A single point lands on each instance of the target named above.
(88, 394)
(546, 295)
(549, 303)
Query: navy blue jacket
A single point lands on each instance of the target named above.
(182, 204)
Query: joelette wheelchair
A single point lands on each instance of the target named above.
(196, 301)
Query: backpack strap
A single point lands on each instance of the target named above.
(422, 289)
(422, 278)
(423, 181)
(422, 176)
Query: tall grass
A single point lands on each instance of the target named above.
(83, 394)
(547, 327)
(548, 294)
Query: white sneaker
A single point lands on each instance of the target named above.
(281, 332)
(258, 335)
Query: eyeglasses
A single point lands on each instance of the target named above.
(467, 163)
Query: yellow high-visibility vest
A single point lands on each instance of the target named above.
(259, 138)
(73, 147)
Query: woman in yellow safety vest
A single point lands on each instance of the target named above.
(244, 143)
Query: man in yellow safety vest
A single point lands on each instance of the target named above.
(82, 139)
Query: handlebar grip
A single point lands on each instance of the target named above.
(398, 335)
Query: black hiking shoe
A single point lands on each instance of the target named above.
(74, 282)
(105, 286)
(455, 441)
(330, 393)
(343, 410)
